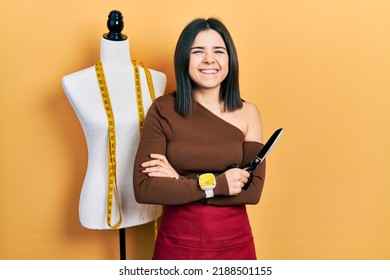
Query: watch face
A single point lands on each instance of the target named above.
(207, 180)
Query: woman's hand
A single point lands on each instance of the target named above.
(159, 167)
(236, 178)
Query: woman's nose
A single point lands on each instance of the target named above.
(208, 58)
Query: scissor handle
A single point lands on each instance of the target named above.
(249, 179)
(232, 166)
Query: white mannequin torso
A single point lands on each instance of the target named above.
(84, 95)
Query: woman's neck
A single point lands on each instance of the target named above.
(115, 51)
(209, 99)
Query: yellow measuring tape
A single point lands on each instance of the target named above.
(137, 79)
(112, 188)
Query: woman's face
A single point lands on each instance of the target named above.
(209, 60)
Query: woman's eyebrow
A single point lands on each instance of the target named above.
(202, 48)
(196, 47)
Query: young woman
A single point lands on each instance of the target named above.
(189, 139)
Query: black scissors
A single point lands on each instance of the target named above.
(250, 167)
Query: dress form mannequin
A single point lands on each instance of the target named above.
(84, 95)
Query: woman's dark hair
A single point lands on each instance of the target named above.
(230, 92)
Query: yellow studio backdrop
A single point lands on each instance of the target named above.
(319, 69)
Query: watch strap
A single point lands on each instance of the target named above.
(209, 193)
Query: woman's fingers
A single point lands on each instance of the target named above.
(158, 167)
(151, 163)
(237, 178)
(158, 160)
(159, 157)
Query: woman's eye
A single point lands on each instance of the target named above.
(196, 51)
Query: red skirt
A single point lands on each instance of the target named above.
(203, 232)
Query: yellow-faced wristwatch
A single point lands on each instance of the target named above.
(207, 182)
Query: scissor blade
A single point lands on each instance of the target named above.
(269, 145)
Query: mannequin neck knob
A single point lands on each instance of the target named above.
(115, 26)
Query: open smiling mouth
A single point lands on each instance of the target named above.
(209, 71)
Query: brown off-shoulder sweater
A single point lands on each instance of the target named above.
(199, 143)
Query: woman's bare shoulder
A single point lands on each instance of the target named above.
(253, 119)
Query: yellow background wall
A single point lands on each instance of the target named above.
(319, 69)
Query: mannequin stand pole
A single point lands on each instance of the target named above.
(122, 243)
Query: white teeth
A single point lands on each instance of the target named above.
(208, 71)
